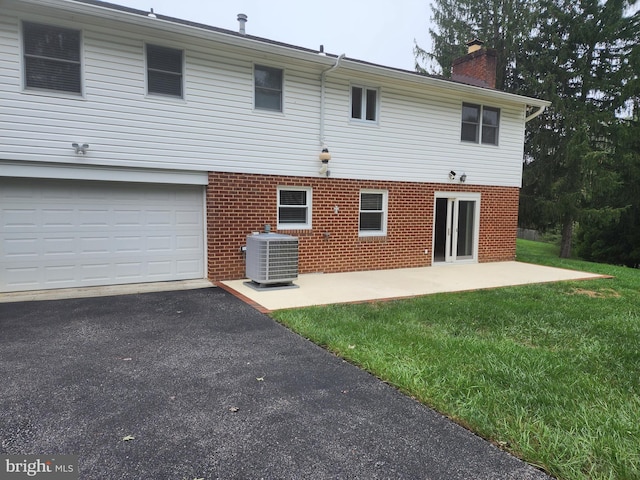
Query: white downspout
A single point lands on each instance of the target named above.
(322, 88)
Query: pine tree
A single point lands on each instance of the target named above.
(500, 24)
(579, 59)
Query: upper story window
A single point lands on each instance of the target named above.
(373, 213)
(51, 58)
(364, 103)
(294, 208)
(268, 88)
(480, 124)
(164, 71)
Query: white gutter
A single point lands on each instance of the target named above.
(95, 10)
(322, 90)
(537, 113)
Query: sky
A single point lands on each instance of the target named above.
(377, 31)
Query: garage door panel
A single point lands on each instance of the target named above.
(58, 234)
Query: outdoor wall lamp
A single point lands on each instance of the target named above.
(324, 156)
(463, 178)
(452, 175)
(80, 148)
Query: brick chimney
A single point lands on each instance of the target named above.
(477, 67)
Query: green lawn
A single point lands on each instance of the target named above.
(549, 372)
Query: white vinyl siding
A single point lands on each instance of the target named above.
(217, 128)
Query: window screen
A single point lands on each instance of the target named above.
(294, 207)
(52, 57)
(268, 88)
(164, 71)
(372, 212)
(470, 122)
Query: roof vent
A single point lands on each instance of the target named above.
(151, 14)
(242, 20)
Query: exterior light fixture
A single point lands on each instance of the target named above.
(452, 175)
(324, 156)
(463, 178)
(80, 148)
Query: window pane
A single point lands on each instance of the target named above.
(469, 132)
(165, 59)
(372, 104)
(268, 77)
(490, 135)
(371, 221)
(292, 214)
(356, 102)
(293, 197)
(371, 201)
(165, 83)
(470, 113)
(490, 116)
(53, 75)
(268, 100)
(52, 42)
(268, 88)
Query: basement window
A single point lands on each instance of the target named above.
(480, 124)
(373, 213)
(164, 71)
(294, 208)
(51, 58)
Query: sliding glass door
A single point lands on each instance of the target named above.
(456, 227)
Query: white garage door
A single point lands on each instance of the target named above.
(72, 233)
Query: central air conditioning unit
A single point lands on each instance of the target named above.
(272, 259)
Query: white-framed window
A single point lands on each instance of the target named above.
(480, 124)
(364, 103)
(373, 213)
(294, 208)
(164, 71)
(52, 58)
(268, 83)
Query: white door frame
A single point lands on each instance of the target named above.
(451, 228)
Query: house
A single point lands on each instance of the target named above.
(136, 147)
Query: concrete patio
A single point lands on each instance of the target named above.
(323, 289)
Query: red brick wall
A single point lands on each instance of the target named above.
(238, 204)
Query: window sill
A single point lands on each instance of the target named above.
(377, 237)
(165, 98)
(367, 123)
(54, 93)
(479, 144)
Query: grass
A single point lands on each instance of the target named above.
(549, 372)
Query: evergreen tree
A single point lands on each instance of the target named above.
(501, 24)
(579, 58)
(617, 239)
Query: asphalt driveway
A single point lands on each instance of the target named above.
(210, 388)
